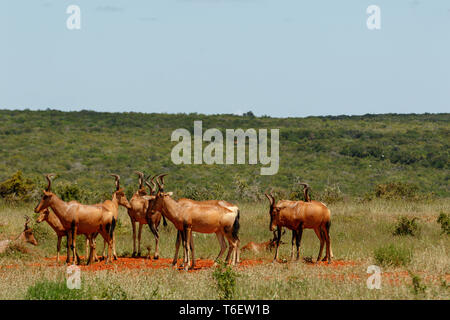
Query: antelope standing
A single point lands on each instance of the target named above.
(83, 219)
(138, 212)
(299, 215)
(219, 217)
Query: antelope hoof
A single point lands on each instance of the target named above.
(115, 257)
(138, 254)
(156, 257)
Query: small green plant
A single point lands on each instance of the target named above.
(392, 255)
(54, 290)
(418, 287)
(226, 281)
(110, 291)
(406, 227)
(444, 221)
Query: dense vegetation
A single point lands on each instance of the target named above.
(340, 156)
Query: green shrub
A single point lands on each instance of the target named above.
(54, 290)
(225, 280)
(406, 227)
(396, 190)
(16, 188)
(69, 192)
(418, 287)
(444, 221)
(392, 255)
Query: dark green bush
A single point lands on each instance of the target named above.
(444, 221)
(406, 227)
(396, 190)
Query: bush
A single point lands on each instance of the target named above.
(406, 227)
(444, 220)
(226, 281)
(52, 290)
(396, 190)
(418, 287)
(331, 194)
(69, 192)
(16, 188)
(392, 256)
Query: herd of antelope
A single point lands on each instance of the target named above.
(69, 219)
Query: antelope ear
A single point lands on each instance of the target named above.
(168, 194)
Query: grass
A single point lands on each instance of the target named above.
(358, 230)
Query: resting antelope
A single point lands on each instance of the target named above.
(257, 247)
(299, 215)
(83, 219)
(26, 236)
(219, 217)
(27, 233)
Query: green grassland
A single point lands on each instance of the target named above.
(358, 230)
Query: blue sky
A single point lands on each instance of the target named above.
(280, 58)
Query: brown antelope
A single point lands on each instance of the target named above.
(299, 215)
(138, 212)
(26, 236)
(153, 218)
(83, 219)
(27, 233)
(221, 218)
(122, 201)
(56, 225)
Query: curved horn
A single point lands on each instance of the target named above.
(161, 178)
(306, 188)
(141, 178)
(273, 198)
(117, 182)
(268, 197)
(48, 176)
(152, 189)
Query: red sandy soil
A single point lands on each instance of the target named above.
(134, 263)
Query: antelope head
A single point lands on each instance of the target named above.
(27, 233)
(157, 203)
(43, 216)
(119, 193)
(274, 212)
(46, 197)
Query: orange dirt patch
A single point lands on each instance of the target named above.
(139, 263)
(334, 263)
